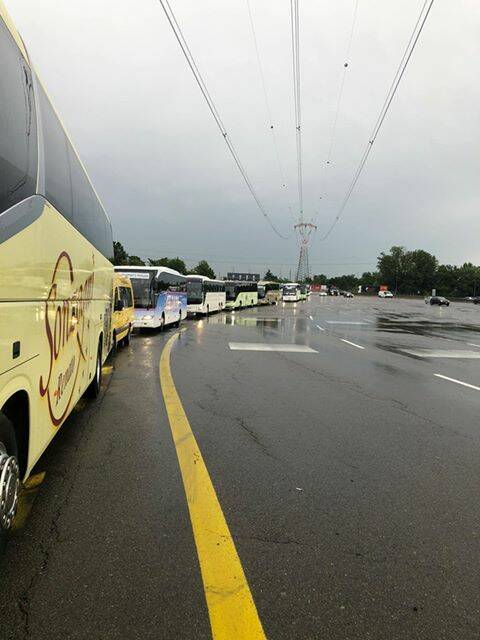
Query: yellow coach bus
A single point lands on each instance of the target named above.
(55, 273)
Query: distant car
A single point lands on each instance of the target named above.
(347, 294)
(469, 299)
(322, 293)
(334, 292)
(385, 294)
(440, 300)
(476, 300)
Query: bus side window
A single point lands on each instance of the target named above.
(58, 186)
(116, 296)
(18, 131)
(67, 186)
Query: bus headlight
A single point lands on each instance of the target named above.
(147, 317)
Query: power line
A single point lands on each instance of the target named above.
(265, 95)
(339, 100)
(294, 15)
(213, 109)
(342, 83)
(386, 105)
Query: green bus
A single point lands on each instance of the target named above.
(303, 291)
(240, 294)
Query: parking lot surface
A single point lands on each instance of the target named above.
(328, 448)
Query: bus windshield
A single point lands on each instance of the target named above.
(194, 293)
(230, 290)
(290, 289)
(142, 287)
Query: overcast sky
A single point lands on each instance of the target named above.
(118, 78)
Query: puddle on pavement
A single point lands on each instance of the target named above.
(430, 328)
(246, 321)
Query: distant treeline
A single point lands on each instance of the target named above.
(412, 272)
(409, 272)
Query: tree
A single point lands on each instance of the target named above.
(270, 276)
(369, 279)
(204, 269)
(135, 261)
(320, 279)
(120, 256)
(344, 282)
(391, 267)
(419, 271)
(172, 263)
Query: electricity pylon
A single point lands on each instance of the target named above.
(305, 230)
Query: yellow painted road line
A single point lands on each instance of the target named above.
(232, 611)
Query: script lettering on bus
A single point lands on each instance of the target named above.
(66, 328)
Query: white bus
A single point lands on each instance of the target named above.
(291, 292)
(204, 295)
(56, 276)
(160, 296)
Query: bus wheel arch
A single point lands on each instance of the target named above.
(16, 410)
(14, 433)
(93, 388)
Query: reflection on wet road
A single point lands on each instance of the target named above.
(341, 441)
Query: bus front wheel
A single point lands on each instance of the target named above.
(9, 478)
(93, 388)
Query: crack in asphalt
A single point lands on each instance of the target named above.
(356, 388)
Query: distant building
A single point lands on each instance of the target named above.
(251, 277)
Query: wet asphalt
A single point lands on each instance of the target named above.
(349, 479)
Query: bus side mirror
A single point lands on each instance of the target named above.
(119, 305)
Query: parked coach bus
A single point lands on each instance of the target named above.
(160, 296)
(204, 295)
(291, 292)
(240, 294)
(55, 275)
(268, 292)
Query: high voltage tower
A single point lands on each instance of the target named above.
(305, 230)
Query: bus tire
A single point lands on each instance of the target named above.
(10, 487)
(126, 339)
(93, 388)
(162, 323)
(208, 310)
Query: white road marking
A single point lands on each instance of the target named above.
(442, 353)
(311, 318)
(464, 384)
(268, 346)
(472, 344)
(344, 322)
(319, 327)
(352, 343)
